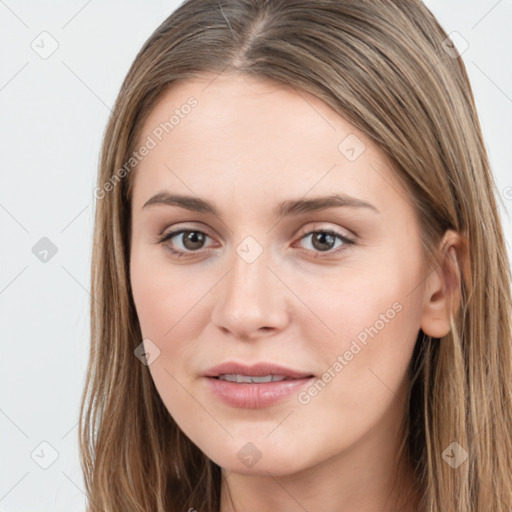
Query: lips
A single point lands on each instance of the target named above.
(254, 386)
(255, 370)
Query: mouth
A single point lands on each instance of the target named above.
(252, 379)
(254, 374)
(255, 386)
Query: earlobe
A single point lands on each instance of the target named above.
(443, 287)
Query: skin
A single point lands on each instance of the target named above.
(247, 146)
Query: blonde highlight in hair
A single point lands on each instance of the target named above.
(381, 65)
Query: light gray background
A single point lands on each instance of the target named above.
(53, 113)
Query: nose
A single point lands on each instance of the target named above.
(251, 301)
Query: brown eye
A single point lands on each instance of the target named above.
(193, 240)
(327, 241)
(184, 241)
(323, 241)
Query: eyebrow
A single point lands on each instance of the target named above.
(284, 209)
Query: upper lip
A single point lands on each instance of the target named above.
(255, 370)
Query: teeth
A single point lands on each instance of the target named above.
(266, 378)
(248, 379)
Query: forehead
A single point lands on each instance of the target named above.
(213, 131)
(232, 109)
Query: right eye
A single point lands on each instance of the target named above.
(191, 241)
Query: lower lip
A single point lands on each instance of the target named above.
(255, 396)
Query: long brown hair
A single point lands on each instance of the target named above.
(387, 67)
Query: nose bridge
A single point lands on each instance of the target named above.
(248, 299)
(248, 280)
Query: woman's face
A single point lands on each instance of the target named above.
(301, 259)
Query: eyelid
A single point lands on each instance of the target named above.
(179, 231)
(317, 226)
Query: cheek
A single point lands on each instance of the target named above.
(167, 300)
(365, 328)
(170, 314)
(359, 304)
(172, 309)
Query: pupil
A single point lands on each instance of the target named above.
(321, 237)
(193, 240)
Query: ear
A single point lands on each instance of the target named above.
(443, 286)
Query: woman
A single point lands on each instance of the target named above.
(301, 288)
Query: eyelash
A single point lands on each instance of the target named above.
(188, 254)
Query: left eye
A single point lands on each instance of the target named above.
(324, 240)
(192, 241)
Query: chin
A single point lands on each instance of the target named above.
(258, 458)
